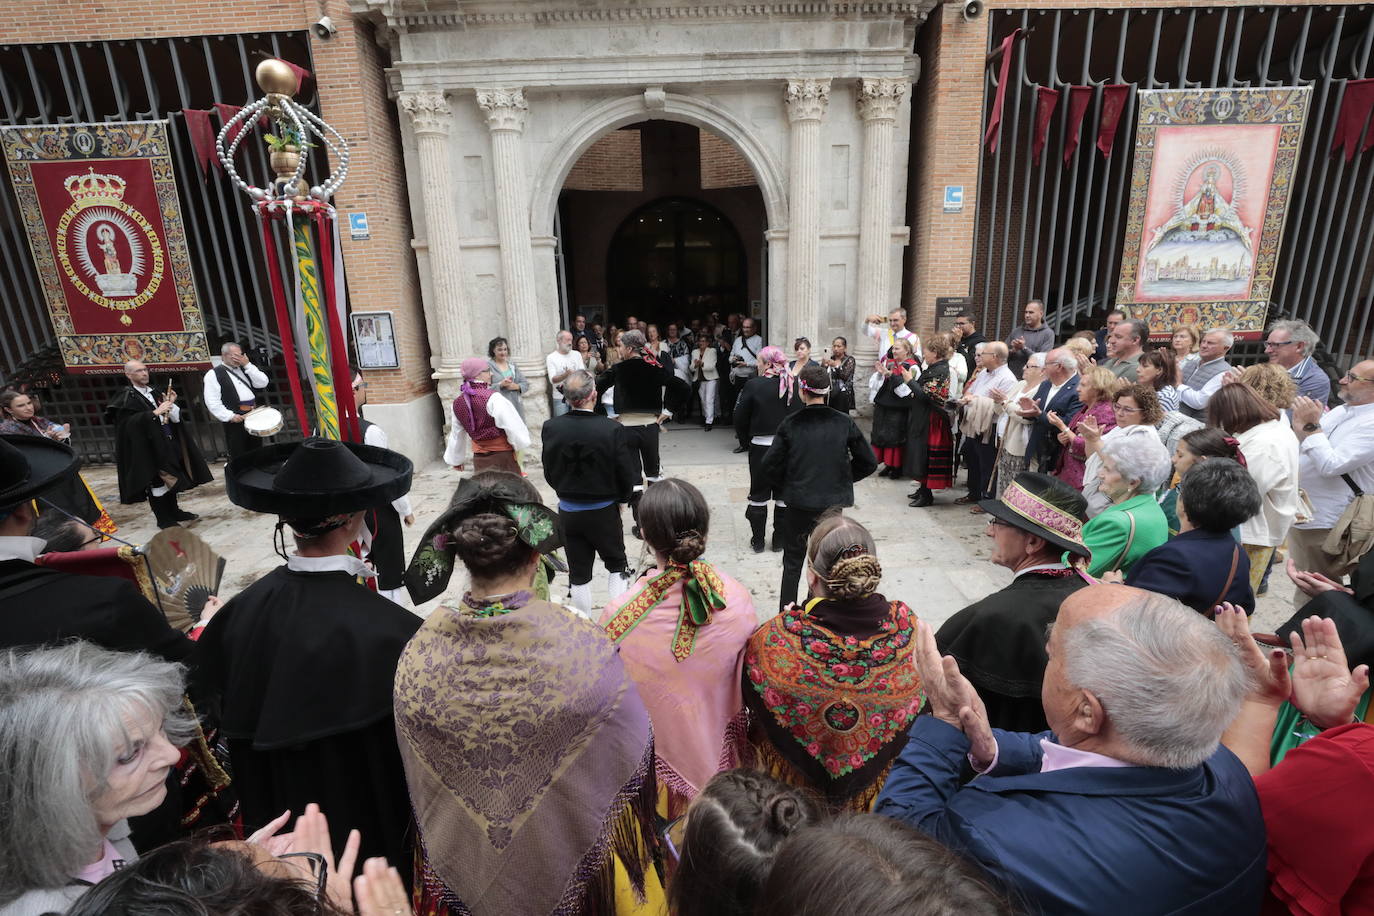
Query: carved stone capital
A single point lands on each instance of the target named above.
(428, 110)
(807, 99)
(880, 99)
(505, 109)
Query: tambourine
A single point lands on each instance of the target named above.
(263, 422)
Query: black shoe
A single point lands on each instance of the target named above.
(168, 523)
(184, 516)
(707, 426)
(634, 532)
(757, 544)
(922, 499)
(741, 449)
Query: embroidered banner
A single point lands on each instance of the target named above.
(1210, 184)
(99, 203)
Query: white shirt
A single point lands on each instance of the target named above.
(1197, 398)
(886, 337)
(173, 415)
(749, 354)
(243, 378)
(376, 436)
(341, 563)
(988, 381)
(1037, 568)
(21, 548)
(503, 414)
(558, 363)
(1345, 445)
(1271, 457)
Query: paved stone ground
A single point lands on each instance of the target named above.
(935, 559)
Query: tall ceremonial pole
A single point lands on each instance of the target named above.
(311, 320)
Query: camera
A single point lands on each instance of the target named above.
(972, 9)
(325, 29)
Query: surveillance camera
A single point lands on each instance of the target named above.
(972, 9)
(325, 28)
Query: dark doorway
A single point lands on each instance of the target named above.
(676, 258)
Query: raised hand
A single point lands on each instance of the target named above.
(1324, 687)
(380, 892)
(1269, 679)
(312, 835)
(268, 837)
(952, 698)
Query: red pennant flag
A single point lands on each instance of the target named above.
(202, 136)
(1046, 100)
(226, 114)
(1079, 97)
(995, 118)
(1114, 100)
(1356, 104)
(302, 74)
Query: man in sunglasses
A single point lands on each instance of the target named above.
(1290, 344)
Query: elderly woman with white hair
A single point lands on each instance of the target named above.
(88, 737)
(1132, 469)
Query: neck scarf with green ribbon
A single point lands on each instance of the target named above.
(703, 593)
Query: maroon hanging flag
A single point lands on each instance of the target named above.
(1113, 104)
(202, 136)
(226, 114)
(1356, 104)
(302, 74)
(1079, 97)
(1046, 100)
(995, 117)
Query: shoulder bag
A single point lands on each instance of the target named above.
(1130, 539)
(1353, 534)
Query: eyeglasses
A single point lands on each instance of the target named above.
(319, 869)
(1357, 378)
(1273, 344)
(994, 521)
(1122, 408)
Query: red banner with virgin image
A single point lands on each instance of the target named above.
(99, 204)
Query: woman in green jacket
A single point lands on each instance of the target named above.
(1133, 468)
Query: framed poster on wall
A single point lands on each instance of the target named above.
(375, 337)
(1210, 184)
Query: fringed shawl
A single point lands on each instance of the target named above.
(529, 759)
(694, 699)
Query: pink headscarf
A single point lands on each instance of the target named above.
(470, 406)
(773, 362)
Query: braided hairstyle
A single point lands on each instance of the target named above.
(841, 552)
(734, 830)
(675, 520)
(487, 541)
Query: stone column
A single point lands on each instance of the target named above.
(431, 119)
(806, 103)
(879, 101)
(505, 111)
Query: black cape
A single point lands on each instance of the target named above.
(891, 413)
(302, 665)
(916, 461)
(143, 449)
(999, 643)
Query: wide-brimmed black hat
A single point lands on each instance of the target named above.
(317, 478)
(1025, 504)
(30, 465)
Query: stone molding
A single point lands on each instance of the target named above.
(505, 109)
(807, 99)
(428, 110)
(880, 98)
(405, 13)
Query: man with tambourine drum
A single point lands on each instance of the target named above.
(231, 397)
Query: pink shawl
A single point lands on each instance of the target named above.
(694, 702)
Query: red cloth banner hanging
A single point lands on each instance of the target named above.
(226, 114)
(1356, 105)
(202, 136)
(1114, 100)
(995, 117)
(1046, 101)
(349, 426)
(99, 203)
(1079, 98)
(284, 320)
(302, 74)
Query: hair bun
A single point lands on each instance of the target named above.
(784, 814)
(854, 576)
(484, 537)
(689, 545)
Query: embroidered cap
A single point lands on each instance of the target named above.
(1025, 504)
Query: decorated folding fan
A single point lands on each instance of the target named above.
(185, 572)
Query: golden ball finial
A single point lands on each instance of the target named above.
(274, 76)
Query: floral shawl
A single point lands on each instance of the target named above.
(832, 690)
(529, 759)
(693, 700)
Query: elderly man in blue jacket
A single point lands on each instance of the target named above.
(1129, 804)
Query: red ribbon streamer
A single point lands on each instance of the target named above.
(995, 118)
(1114, 100)
(1079, 98)
(349, 428)
(202, 136)
(288, 339)
(1356, 105)
(1046, 100)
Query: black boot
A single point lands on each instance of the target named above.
(163, 510)
(922, 498)
(758, 521)
(779, 515)
(634, 512)
(176, 512)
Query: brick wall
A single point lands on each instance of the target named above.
(723, 166)
(349, 72)
(613, 163)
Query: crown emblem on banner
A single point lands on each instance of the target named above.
(93, 187)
